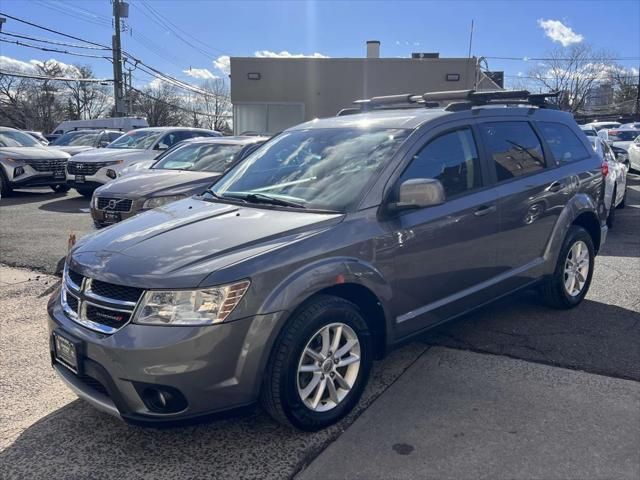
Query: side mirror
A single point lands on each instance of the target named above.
(162, 146)
(103, 143)
(419, 193)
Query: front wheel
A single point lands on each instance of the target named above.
(319, 366)
(570, 281)
(60, 188)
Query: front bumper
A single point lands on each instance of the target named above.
(101, 217)
(93, 180)
(30, 177)
(215, 368)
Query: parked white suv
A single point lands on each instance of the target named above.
(88, 170)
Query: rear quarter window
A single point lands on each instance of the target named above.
(564, 144)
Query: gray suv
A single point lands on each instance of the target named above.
(330, 244)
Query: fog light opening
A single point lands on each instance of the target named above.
(111, 173)
(161, 399)
(18, 171)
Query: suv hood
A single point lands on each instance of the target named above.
(180, 244)
(31, 153)
(624, 145)
(109, 154)
(154, 182)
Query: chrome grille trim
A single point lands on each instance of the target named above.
(85, 297)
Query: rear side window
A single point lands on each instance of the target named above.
(452, 159)
(564, 144)
(514, 148)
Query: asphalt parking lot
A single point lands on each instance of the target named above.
(46, 432)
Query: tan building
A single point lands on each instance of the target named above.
(271, 94)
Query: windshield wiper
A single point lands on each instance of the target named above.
(266, 199)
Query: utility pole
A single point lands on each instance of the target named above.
(638, 99)
(120, 10)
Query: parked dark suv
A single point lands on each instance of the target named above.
(327, 246)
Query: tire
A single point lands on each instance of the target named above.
(623, 202)
(85, 192)
(554, 291)
(5, 188)
(611, 217)
(60, 188)
(284, 384)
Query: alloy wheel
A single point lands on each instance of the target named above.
(576, 268)
(328, 367)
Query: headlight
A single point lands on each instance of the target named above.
(190, 307)
(160, 201)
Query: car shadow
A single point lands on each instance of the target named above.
(22, 197)
(67, 205)
(594, 337)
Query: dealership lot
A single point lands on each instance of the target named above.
(72, 440)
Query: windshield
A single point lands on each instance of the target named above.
(200, 157)
(13, 138)
(77, 139)
(623, 135)
(141, 139)
(319, 168)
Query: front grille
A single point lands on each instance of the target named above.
(75, 277)
(73, 303)
(114, 204)
(48, 165)
(118, 292)
(100, 306)
(80, 168)
(108, 317)
(93, 384)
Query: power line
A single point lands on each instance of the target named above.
(52, 42)
(542, 59)
(67, 11)
(177, 107)
(45, 49)
(52, 30)
(62, 79)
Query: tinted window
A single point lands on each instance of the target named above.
(318, 168)
(564, 144)
(14, 138)
(623, 135)
(77, 139)
(172, 138)
(452, 159)
(114, 136)
(141, 139)
(514, 148)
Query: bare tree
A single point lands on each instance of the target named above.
(572, 71)
(216, 104)
(85, 99)
(161, 104)
(13, 92)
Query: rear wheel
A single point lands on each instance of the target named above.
(570, 281)
(85, 192)
(60, 188)
(624, 199)
(319, 366)
(5, 188)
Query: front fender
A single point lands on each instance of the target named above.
(304, 282)
(579, 204)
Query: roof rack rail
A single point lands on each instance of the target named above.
(460, 100)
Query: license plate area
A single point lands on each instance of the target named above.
(80, 179)
(67, 352)
(59, 174)
(111, 216)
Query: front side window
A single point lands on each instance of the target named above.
(564, 144)
(13, 138)
(141, 139)
(77, 139)
(623, 135)
(316, 168)
(514, 148)
(200, 157)
(452, 159)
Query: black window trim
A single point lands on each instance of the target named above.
(490, 163)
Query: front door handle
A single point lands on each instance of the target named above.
(484, 210)
(556, 186)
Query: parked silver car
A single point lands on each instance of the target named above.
(25, 162)
(615, 170)
(88, 170)
(77, 141)
(186, 169)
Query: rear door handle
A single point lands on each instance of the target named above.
(484, 210)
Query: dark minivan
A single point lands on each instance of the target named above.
(326, 247)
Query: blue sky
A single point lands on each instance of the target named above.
(335, 29)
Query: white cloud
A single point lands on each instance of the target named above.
(30, 67)
(285, 54)
(14, 65)
(223, 63)
(201, 73)
(559, 32)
